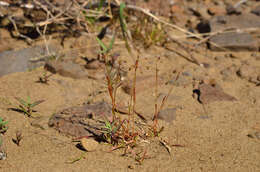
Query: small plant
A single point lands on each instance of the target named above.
(18, 138)
(27, 106)
(3, 127)
(44, 79)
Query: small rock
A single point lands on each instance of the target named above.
(24, 59)
(95, 64)
(211, 92)
(250, 73)
(242, 21)
(256, 10)
(257, 135)
(2, 155)
(66, 68)
(81, 121)
(232, 10)
(204, 26)
(89, 144)
(216, 10)
(228, 73)
(233, 41)
(167, 115)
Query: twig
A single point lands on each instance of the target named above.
(43, 35)
(55, 18)
(239, 3)
(29, 40)
(146, 11)
(43, 7)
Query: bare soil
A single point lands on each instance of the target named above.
(219, 135)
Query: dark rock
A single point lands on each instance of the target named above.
(256, 10)
(230, 9)
(23, 60)
(83, 120)
(233, 41)
(203, 27)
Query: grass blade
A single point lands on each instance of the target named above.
(100, 5)
(102, 45)
(23, 102)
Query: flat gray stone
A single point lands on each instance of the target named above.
(234, 41)
(23, 60)
(243, 21)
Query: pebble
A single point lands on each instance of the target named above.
(89, 144)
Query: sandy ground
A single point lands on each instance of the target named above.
(224, 137)
(216, 136)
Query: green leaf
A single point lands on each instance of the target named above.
(3, 123)
(23, 102)
(121, 16)
(123, 25)
(102, 45)
(101, 3)
(111, 43)
(108, 125)
(28, 100)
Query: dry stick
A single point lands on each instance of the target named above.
(54, 8)
(146, 11)
(43, 35)
(182, 55)
(43, 7)
(166, 97)
(54, 18)
(29, 40)
(134, 91)
(188, 50)
(155, 121)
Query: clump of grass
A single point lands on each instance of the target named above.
(44, 79)
(147, 32)
(126, 133)
(26, 106)
(3, 125)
